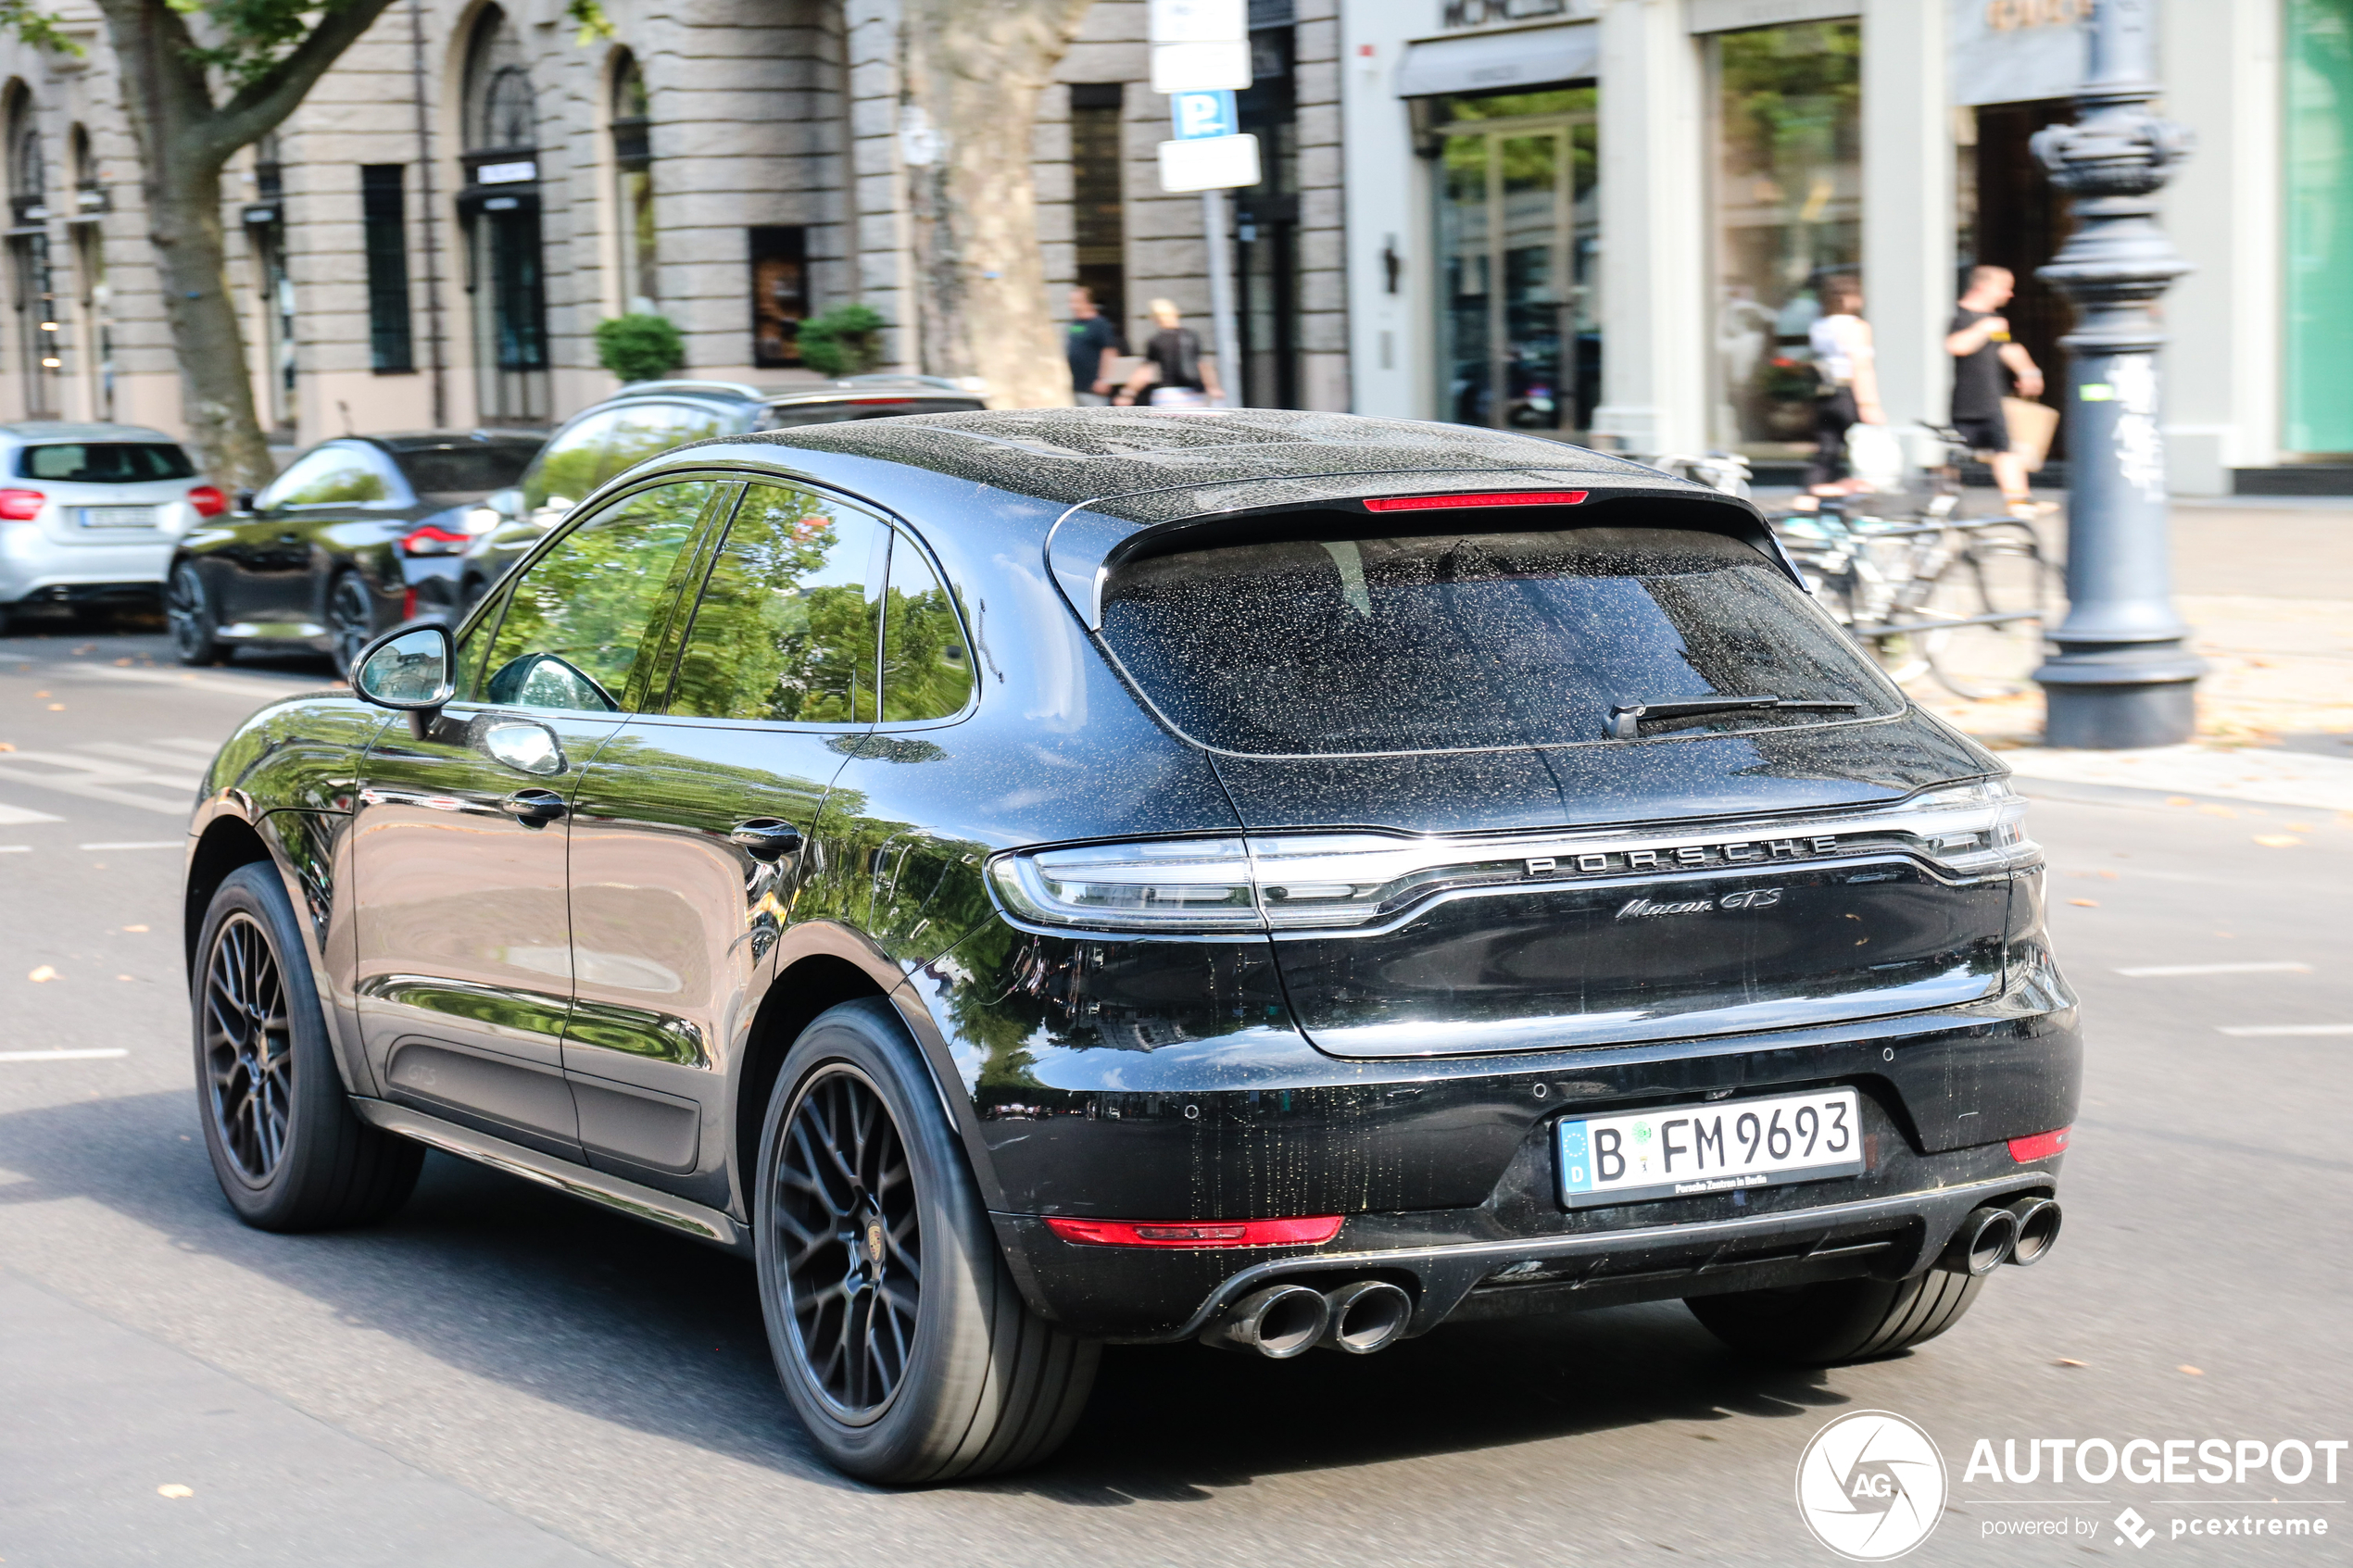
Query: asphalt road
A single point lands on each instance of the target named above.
(501, 1378)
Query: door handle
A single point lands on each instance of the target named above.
(534, 807)
(765, 838)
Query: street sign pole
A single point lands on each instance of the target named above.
(1223, 324)
(1200, 54)
(2123, 673)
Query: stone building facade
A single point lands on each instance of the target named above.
(431, 240)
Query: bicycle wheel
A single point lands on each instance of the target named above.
(2000, 573)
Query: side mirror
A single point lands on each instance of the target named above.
(409, 670)
(242, 500)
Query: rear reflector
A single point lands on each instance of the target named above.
(1196, 1233)
(2040, 1146)
(1488, 498)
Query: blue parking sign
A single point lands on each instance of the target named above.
(1199, 115)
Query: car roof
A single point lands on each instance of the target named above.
(1113, 458)
(438, 439)
(791, 393)
(62, 430)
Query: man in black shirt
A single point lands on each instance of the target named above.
(1979, 342)
(1093, 345)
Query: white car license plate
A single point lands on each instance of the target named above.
(117, 517)
(1680, 1150)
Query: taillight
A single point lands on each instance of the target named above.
(1196, 1233)
(1485, 499)
(207, 500)
(2040, 1146)
(435, 540)
(20, 505)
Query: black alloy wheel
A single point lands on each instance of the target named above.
(351, 620)
(288, 1150)
(845, 1202)
(248, 1048)
(898, 1332)
(187, 610)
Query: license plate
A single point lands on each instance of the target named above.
(117, 517)
(1682, 1151)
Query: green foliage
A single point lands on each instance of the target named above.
(928, 674)
(639, 347)
(845, 341)
(589, 16)
(37, 28)
(252, 35)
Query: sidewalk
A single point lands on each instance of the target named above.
(2268, 585)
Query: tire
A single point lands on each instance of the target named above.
(288, 1150)
(351, 620)
(902, 1342)
(187, 610)
(1842, 1319)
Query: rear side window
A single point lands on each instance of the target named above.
(1463, 642)
(787, 627)
(105, 462)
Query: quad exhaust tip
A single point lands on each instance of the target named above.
(2038, 1229)
(1365, 1316)
(1283, 1321)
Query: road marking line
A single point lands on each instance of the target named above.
(14, 815)
(2162, 970)
(59, 1056)
(2271, 1029)
(16, 848)
(139, 843)
(116, 782)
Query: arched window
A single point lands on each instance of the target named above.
(40, 352)
(92, 293)
(633, 160)
(500, 206)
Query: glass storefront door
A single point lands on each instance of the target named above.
(1518, 241)
(2319, 125)
(1788, 216)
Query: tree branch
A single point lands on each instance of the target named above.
(263, 102)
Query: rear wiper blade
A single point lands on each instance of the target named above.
(1625, 718)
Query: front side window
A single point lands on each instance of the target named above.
(785, 630)
(1468, 642)
(333, 476)
(927, 671)
(579, 617)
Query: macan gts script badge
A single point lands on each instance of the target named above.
(1749, 899)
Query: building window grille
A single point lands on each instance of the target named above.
(384, 218)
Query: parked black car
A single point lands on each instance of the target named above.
(1031, 880)
(357, 534)
(647, 419)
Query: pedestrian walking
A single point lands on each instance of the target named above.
(1984, 359)
(1094, 346)
(1847, 367)
(1179, 373)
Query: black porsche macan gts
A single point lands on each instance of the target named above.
(1032, 880)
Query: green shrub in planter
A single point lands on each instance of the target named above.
(845, 341)
(639, 347)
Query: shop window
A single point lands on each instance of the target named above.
(1267, 228)
(2318, 147)
(1788, 210)
(634, 166)
(506, 271)
(384, 221)
(779, 293)
(40, 350)
(1519, 252)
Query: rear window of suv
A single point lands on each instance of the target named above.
(1447, 642)
(105, 462)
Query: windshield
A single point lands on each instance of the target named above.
(466, 471)
(105, 462)
(1472, 641)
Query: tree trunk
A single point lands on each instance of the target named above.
(164, 97)
(970, 74)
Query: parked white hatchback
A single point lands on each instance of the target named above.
(90, 512)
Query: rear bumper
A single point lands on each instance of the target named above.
(1145, 1296)
(34, 566)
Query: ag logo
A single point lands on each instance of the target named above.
(1871, 1485)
